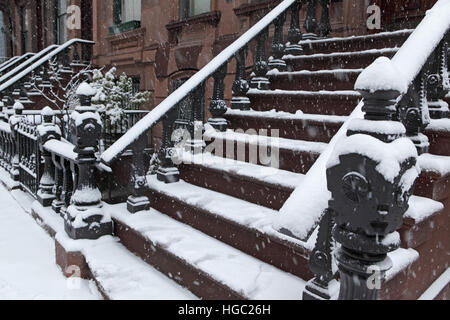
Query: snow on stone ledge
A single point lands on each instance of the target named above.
(382, 74)
(421, 208)
(389, 156)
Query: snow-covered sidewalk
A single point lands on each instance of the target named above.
(27, 259)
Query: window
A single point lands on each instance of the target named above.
(190, 8)
(126, 15)
(24, 28)
(61, 15)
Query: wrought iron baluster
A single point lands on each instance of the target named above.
(294, 34)
(324, 25)
(218, 106)
(310, 24)
(260, 67)
(138, 201)
(277, 62)
(167, 171)
(240, 84)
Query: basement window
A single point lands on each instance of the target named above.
(126, 16)
(191, 8)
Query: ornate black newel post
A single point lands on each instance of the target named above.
(138, 201)
(370, 176)
(260, 67)
(218, 106)
(85, 218)
(47, 131)
(310, 24)
(240, 84)
(294, 34)
(277, 52)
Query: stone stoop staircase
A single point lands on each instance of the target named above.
(211, 232)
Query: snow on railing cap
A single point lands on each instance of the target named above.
(18, 106)
(47, 111)
(381, 75)
(85, 89)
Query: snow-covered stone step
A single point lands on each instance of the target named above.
(286, 154)
(120, 274)
(433, 181)
(340, 103)
(418, 221)
(338, 79)
(208, 267)
(257, 184)
(337, 60)
(356, 43)
(438, 132)
(298, 126)
(241, 224)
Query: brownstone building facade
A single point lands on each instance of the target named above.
(160, 41)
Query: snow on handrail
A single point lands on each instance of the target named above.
(28, 62)
(41, 61)
(62, 149)
(413, 54)
(18, 59)
(7, 61)
(167, 104)
(5, 127)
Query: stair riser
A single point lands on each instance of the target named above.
(338, 105)
(289, 160)
(175, 268)
(270, 196)
(439, 142)
(334, 62)
(317, 82)
(308, 130)
(352, 45)
(285, 257)
(411, 283)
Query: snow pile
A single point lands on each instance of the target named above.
(421, 208)
(85, 89)
(382, 74)
(389, 156)
(380, 127)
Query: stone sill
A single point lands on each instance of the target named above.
(212, 18)
(124, 27)
(127, 36)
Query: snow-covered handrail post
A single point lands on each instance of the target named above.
(85, 218)
(372, 170)
(47, 131)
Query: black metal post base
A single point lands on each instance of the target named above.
(57, 205)
(310, 36)
(168, 175)
(91, 232)
(260, 83)
(136, 204)
(355, 272)
(278, 64)
(219, 124)
(293, 50)
(240, 103)
(45, 199)
(315, 291)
